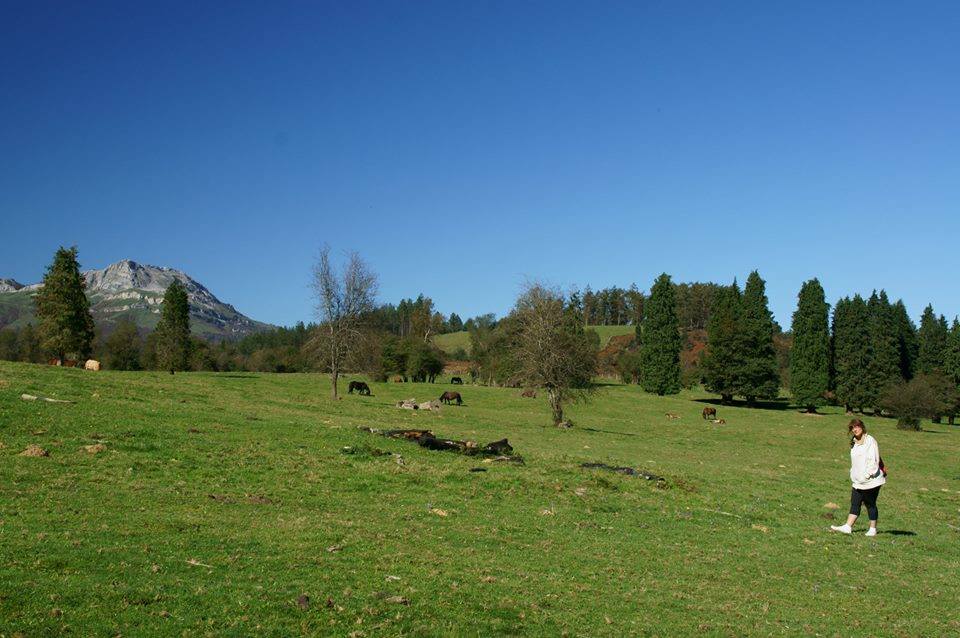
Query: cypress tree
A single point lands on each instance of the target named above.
(883, 369)
(851, 351)
(723, 361)
(933, 336)
(759, 376)
(173, 330)
(810, 358)
(660, 340)
(907, 343)
(63, 310)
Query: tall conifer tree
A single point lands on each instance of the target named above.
(723, 361)
(907, 343)
(173, 330)
(883, 369)
(851, 351)
(63, 310)
(660, 340)
(933, 337)
(810, 357)
(759, 376)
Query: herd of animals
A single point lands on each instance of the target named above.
(448, 397)
(361, 388)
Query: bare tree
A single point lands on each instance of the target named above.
(552, 351)
(342, 300)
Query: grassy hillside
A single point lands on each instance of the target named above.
(451, 341)
(221, 498)
(606, 332)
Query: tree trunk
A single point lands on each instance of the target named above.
(950, 419)
(726, 399)
(334, 375)
(936, 419)
(556, 407)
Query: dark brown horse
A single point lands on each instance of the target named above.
(361, 388)
(709, 413)
(529, 394)
(449, 396)
(456, 381)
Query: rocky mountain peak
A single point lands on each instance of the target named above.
(127, 289)
(10, 285)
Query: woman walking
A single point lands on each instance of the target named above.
(866, 474)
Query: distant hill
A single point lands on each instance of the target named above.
(128, 290)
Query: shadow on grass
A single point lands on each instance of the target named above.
(608, 432)
(898, 532)
(776, 404)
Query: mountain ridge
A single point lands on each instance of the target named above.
(127, 290)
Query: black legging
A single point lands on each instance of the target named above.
(864, 497)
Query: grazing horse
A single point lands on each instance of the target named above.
(456, 381)
(709, 413)
(529, 394)
(448, 396)
(361, 388)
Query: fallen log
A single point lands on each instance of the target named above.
(501, 450)
(629, 471)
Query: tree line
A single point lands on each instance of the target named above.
(869, 355)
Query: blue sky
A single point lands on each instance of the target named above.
(465, 148)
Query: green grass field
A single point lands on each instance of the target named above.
(221, 498)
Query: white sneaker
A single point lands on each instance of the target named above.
(871, 532)
(843, 529)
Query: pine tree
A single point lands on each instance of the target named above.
(851, 351)
(810, 358)
(723, 362)
(660, 340)
(63, 310)
(759, 377)
(883, 369)
(932, 337)
(173, 330)
(907, 343)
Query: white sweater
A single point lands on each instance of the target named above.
(865, 464)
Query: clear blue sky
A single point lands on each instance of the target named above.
(463, 148)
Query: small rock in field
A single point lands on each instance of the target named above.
(303, 602)
(56, 612)
(397, 600)
(334, 548)
(94, 449)
(439, 512)
(762, 528)
(34, 450)
(154, 568)
(831, 506)
(392, 578)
